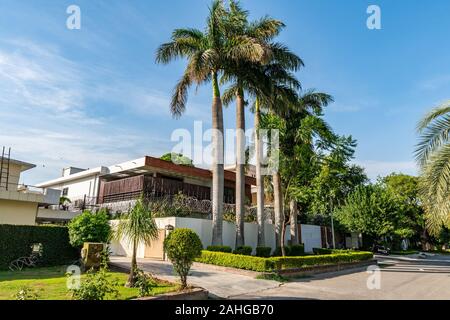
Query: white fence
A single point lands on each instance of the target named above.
(311, 235)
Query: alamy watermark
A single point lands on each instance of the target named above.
(374, 279)
(73, 22)
(374, 20)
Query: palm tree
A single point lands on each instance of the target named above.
(433, 157)
(137, 226)
(261, 31)
(209, 53)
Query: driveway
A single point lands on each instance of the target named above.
(400, 278)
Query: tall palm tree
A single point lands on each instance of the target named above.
(208, 54)
(262, 32)
(433, 157)
(137, 226)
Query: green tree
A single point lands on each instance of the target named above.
(182, 247)
(177, 159)
(137, 226)
(209, 53)
(433, 156)
(89, 227)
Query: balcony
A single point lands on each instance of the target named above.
(131, 188)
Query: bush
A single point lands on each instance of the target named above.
(278, 253)
(322, 251)
(89, 227)
(297, 250)
(26, 293)
(244, 250)
(96, 286)
(16, 242)
(281, 263)
(235, 261)
(226, 249)
(144, 282)
(263, 252)
(182, 247)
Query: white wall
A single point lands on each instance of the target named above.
(78, 188)
(311, 235)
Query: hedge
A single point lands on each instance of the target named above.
(235, 261)
(16, 242)
(297, 250)
(226, 249)
(278, 263)
(322, 251)
(263, 252)
(243, 250)
(281, 263)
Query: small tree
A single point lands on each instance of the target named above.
(137, 226)
(89, 227)
(182, 246)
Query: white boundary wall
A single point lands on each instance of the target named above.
(311, 235)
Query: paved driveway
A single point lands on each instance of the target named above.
(401, 278)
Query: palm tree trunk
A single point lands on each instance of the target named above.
(217, 163)
(131, 277)
(293, 222)
(278, 207)
(259, 180)
(240, 168)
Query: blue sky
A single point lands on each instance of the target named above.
(95, 96)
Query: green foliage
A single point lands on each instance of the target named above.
(281, 263)
(96, 286)
(235, 261)
(243, 250)
(263, 252)
(323, 251)
(182, 246)
(16, 242)
(90, 227)
(297, 250)
(278, 252)
(144, 282)
(278, 263)
(177, 158)
(226, 249)
(26, 293)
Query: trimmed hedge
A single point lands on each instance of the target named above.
(16, 242)
(281, 263)
(278, 263)
(323, 251)
(297, 250)
(235, 261)
(226, 249)
(243, 250)
(263, 252)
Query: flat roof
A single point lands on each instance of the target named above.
(24, 166)
(75, 176)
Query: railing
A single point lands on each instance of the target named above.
(24, 188)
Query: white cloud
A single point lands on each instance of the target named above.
(375, 169)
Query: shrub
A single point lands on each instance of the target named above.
(281, 263)
(226, 249)
(16, 242)
(263, 252)
(26, 293)
(322, 251)
(144, 282)
(243, 250)
(277, 252)
(96, 286)
(89, 227)
(182, 247)
(297, 250)
(235, 261)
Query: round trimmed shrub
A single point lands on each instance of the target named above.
(263, 252)
(182, 246)
(89, 227)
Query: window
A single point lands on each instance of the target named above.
(65, 191)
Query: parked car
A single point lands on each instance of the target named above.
(381, 250)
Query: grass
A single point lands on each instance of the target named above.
(404, 252)
(50, 284)
(272, 277)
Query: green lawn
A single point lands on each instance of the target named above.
(50, 284)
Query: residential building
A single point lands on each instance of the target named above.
(19, 203)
